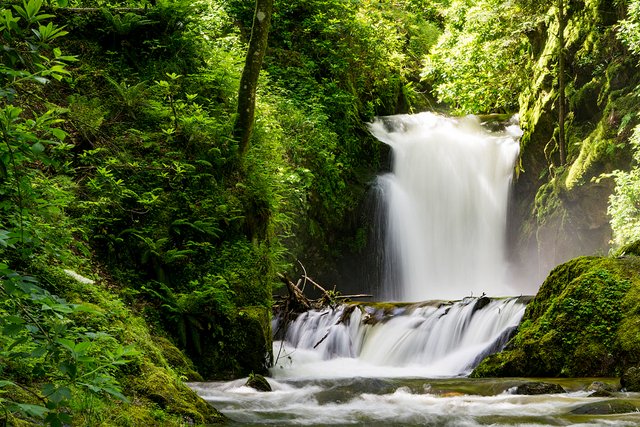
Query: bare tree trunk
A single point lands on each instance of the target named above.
(243, 126)
(561, 84)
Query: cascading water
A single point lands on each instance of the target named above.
(429, 339)
(445, 206)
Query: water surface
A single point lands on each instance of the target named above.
(407, 402)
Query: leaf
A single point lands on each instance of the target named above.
(12, 329)
(82, 347)
(37, 148)
(116, 393)
(68, 344)
(56, 395)
(41, 80)
(32, 410)
(59, 133)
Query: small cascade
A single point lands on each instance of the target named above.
(428, 339)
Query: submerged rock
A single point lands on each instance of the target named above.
(539, 388)
(606, 407)
(630, 380)
(258, 382)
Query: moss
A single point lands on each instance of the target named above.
(258, 382)
(177, 359)
(238, 347)
(632, 248)
(167, 392)
(583, 322)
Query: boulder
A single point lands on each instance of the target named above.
(606, 407)
(538, 388)
(600, 389)
(258, 382)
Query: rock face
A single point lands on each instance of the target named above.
(560, 211)
(630, 380)
(583, 322)
(534, 388)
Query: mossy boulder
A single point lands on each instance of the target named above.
(630, 380)
(583, 322)
(600, 389)
(170, 394)
(258, 382)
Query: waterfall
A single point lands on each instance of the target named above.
(426, 339)
(444, 206)
(441, 231)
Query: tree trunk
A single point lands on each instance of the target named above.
(243, 126)
(561, 84)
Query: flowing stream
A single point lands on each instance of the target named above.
(442, 237)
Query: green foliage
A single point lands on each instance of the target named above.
(41, 341)
(62, 362)
(629, 29)
(624, 207)
(481, 61)
(624, 202)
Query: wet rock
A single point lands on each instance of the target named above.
(630, 380)
(539, 388)
(606, 407)
(481, 303)
(258, 382)
(600, 389)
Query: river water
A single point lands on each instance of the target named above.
(454, 402)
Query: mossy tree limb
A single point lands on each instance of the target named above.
(243, 126)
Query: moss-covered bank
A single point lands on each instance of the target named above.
(560, 210)
(583, 322)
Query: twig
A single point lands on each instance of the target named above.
(305, 275)
(323, 338)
